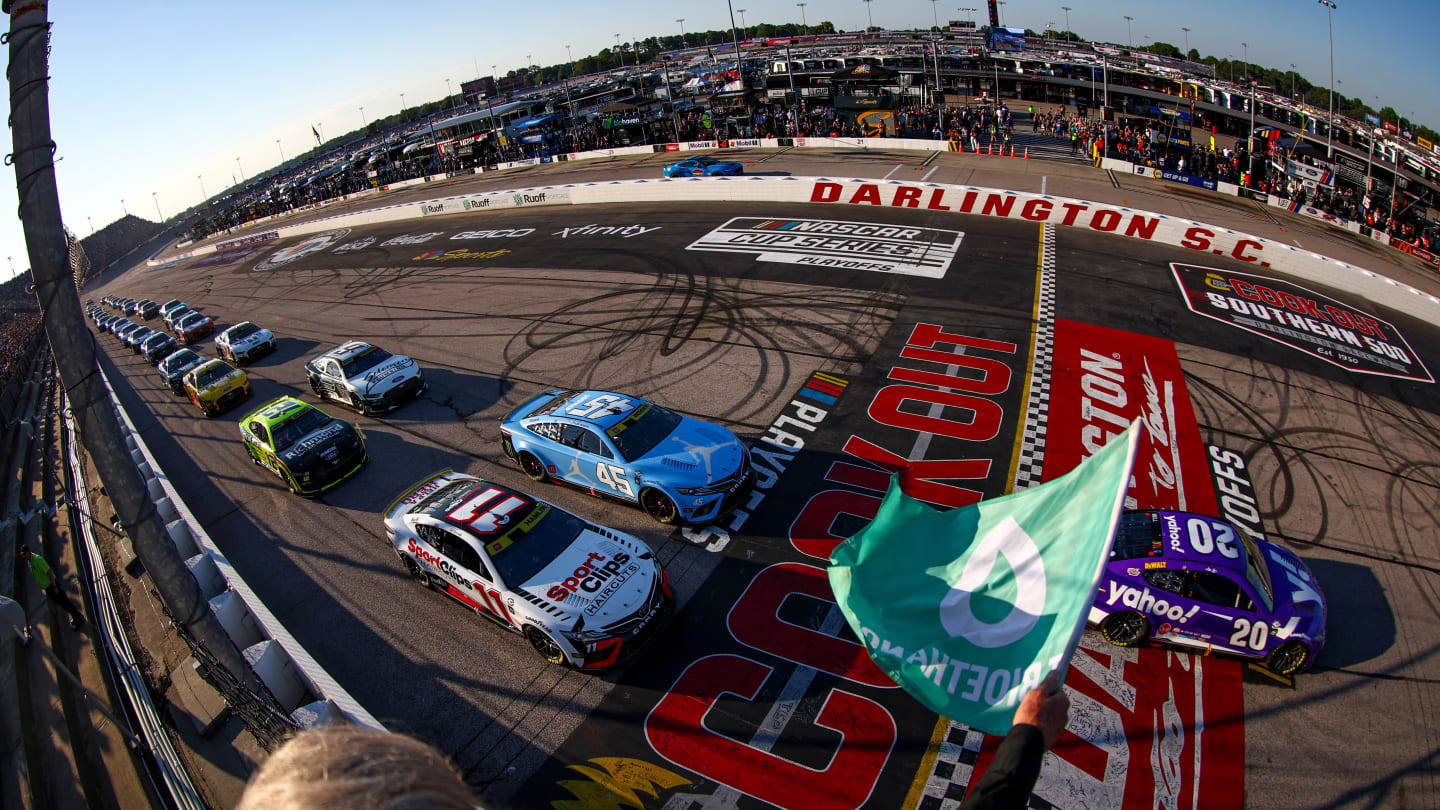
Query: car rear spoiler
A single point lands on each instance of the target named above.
(391, 510)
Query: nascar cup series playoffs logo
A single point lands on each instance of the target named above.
(301, 249)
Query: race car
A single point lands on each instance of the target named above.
(216, 386)
(135, 337)
(365, 377)
(174, 366)
(156, 346)
(703, 167)
(1198, 582)
(679, 469)
(243, 342)
(194, 326)
(308, 449)
(584, 596)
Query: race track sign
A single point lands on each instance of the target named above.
(1306, 321)
(969, 609)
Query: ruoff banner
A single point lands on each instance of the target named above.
(1287, 313)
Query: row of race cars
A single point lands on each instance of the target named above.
(588, 596)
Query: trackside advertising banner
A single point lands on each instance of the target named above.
(936, 611)
(1285, 312)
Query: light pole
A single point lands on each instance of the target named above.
(674, 117)
(743, 27)
(448, 96)
(1067, 11)
(155, 196)
(1230, 60)
(617, 48)
(238, 165)
(1128, 33)
(363, 121)
(935, 14)
(868, 15)
(203, 196)
(804, 26)
(570, 105)
(681, 20)
(92, 223)
(281, 148)
(322, 125)
(1246, 63)
(1292, 80)
(499, 147)
(1330, 123)
(404, 116)
(1187, 41)
(739, 69)
(969, 13)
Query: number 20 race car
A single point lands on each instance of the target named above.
(1197, 582)
(583, 595)
(677, 468)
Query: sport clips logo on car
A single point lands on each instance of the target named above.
(599, 581)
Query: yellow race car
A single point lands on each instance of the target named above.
(216, 386)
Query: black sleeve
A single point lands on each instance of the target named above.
(1008, 781)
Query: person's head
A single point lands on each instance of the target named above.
(346, 766)
(25, 552)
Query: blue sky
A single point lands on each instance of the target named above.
(148, 98)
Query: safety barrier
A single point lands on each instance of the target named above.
(302, 687)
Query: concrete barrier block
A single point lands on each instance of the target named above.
(136, 457)
(154, 487)
(130, 443)
(319, 713)
(183, 538)
(166, 509)
(278, 673)
(207, 574)
(235, 617)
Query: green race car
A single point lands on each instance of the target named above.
(309, 449)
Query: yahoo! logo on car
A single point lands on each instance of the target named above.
(1145, 602)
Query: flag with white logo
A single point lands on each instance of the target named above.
(969, 609)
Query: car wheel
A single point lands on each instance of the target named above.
(355, 403)
(1126, 629)
(416, 572)
(546, 646)
(1289, 658)
(315, 386)
(534, 470)
(659, 506)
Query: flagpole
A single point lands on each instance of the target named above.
(1133, 434)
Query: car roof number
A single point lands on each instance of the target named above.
(600, 405)
(472, 511)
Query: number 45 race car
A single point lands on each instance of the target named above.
(1197, 582)
(583, 595)
(677, 468)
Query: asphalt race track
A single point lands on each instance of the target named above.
(756, 693)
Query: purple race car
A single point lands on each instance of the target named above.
(1197, 582)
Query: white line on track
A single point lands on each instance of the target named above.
(1043, 178)
(933, 169)
(898, 167)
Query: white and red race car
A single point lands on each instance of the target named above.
(583, 595)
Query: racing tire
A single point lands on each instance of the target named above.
(1126, 629)
(1288, 659)
(532, 467)
(545, 646)
(319, 392)
(659, 506)
(416, 572)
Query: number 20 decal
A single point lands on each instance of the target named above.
(1203, 539)
(1253, 635)
(614, 477)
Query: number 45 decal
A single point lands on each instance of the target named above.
(614, 477)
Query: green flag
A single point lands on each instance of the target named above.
(969, 609)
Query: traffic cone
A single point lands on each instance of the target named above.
(1027, 153)
(992, 149)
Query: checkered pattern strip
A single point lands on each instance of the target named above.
(954, 765)
(1037, 407)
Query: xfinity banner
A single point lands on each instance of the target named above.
(1287, 313)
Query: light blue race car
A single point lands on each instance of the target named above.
(680, 470)
(703, 167)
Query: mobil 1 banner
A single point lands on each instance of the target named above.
(825, 243)
(1307, 321)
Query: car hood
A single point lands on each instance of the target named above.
(315, 445)
(253, 339)
(602, 578)
(229, 382)
(694, 454)
(385, 376)
(1297, 593)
